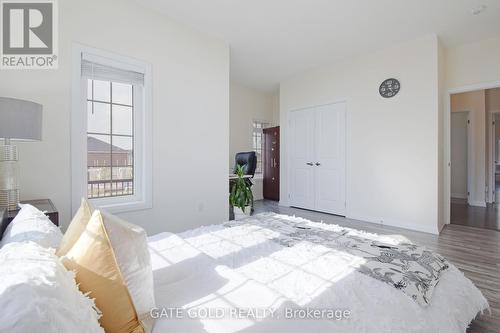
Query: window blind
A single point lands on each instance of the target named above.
(94, 70)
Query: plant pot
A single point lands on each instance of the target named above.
(241, 214)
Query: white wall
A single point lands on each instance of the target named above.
(276, 108)
(246, 105)
(190, 112)
(493, 100)
(392, 144)
(459, 155)
(474, 63)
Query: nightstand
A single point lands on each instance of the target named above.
(45, 205)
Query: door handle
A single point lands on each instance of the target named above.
(318, 164)
(310, 163)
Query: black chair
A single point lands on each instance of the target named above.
(248, 160)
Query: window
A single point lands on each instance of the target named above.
(111, 143)
(257, 142)
(110, 139)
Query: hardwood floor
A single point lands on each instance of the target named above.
(480, 217)
(475, 251)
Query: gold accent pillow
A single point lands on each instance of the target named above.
(112, 263)
(76, 227)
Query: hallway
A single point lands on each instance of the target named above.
(480, 217)
(472, 216)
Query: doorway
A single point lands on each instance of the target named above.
(460, 147)
(475, 158)
(494, 183)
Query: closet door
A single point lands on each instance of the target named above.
(302, 168)
(271, 188)
(329, 160)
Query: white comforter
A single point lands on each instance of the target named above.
(211, 272)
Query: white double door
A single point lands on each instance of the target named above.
(317, 158)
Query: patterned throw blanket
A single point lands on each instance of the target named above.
(407, 267)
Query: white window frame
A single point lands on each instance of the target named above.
(142, 197)
(262, 123)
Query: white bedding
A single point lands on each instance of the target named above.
(30, 224)
(222, 268)
(38, 294)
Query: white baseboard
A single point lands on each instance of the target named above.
(477, 203)
(459, 195)
(393, 223)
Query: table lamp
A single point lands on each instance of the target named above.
(20, 120)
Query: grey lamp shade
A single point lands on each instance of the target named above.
(20, 119)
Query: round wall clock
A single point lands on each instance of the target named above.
(389, 88)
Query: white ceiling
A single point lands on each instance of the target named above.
(272, 40)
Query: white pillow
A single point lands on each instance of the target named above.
(30, 224)
(37, 293)
(130, 246)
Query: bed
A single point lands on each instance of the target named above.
(276, 273)
(265, 273)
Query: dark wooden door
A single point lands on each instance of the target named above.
(272, 163)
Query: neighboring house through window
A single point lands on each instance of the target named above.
(111, 143)
(257, 142)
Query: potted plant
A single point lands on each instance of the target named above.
(241, 197)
